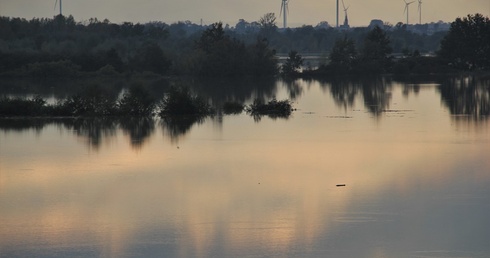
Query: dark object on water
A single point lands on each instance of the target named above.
(340, 185)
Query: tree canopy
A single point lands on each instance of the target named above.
(467, 45)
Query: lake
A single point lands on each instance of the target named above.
(362, 168)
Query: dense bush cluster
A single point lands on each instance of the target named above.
(180, 101)
(178, 104)
(273, 108)
(61, 47)
(93, 101)
(374, 57)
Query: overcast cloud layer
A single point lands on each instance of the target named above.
(309, 12)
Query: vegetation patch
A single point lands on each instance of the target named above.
(91, 102)
(180, 101)
(232, 108)
(136, 102)
(22, 107)
(273, 108)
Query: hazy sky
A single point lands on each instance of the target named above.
(309, 12)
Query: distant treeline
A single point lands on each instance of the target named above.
(62, 47)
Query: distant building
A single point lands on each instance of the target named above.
(375, 23)
(345, 26)
(323, 25)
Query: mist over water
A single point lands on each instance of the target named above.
(412, 154)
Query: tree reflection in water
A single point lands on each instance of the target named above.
(377, 95)
(220, 91)
(294, 88)
(138, 129)
(93, 130)
(375, 91)
(466, 98)
(178, 126)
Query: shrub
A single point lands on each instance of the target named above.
(22, 107)
(93, 101)
(136, 102)
(273, 109)
(180, 101)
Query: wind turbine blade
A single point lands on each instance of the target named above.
(55, 4)
(343, 5)
(282, 6)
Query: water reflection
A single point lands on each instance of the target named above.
(138, 129)
(177, 127)
(377, 95)
(467, 98)
(344, 92)
(294, 88)
(19, 125)
(415, 185)
(93, 131)
(375, 92)
(219, 91)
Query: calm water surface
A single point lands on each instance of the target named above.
(414, 158)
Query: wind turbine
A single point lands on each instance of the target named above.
(346, 20)
(406, 8)
(420, 11)
(284, 11)
(56, 3)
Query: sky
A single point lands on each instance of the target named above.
(305, 12)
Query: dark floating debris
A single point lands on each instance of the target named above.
(340, 117)
(340, 185)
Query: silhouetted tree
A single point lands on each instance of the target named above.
(293, 64)
(267, 25)
(211, 36)
(343, 55)
(262, 59)
(467, 45)
(375, 51)
(136, 102)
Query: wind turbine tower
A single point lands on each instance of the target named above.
(420, 11)
(337, 21)
(406, 8)
(284, 12)
(61, 9)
